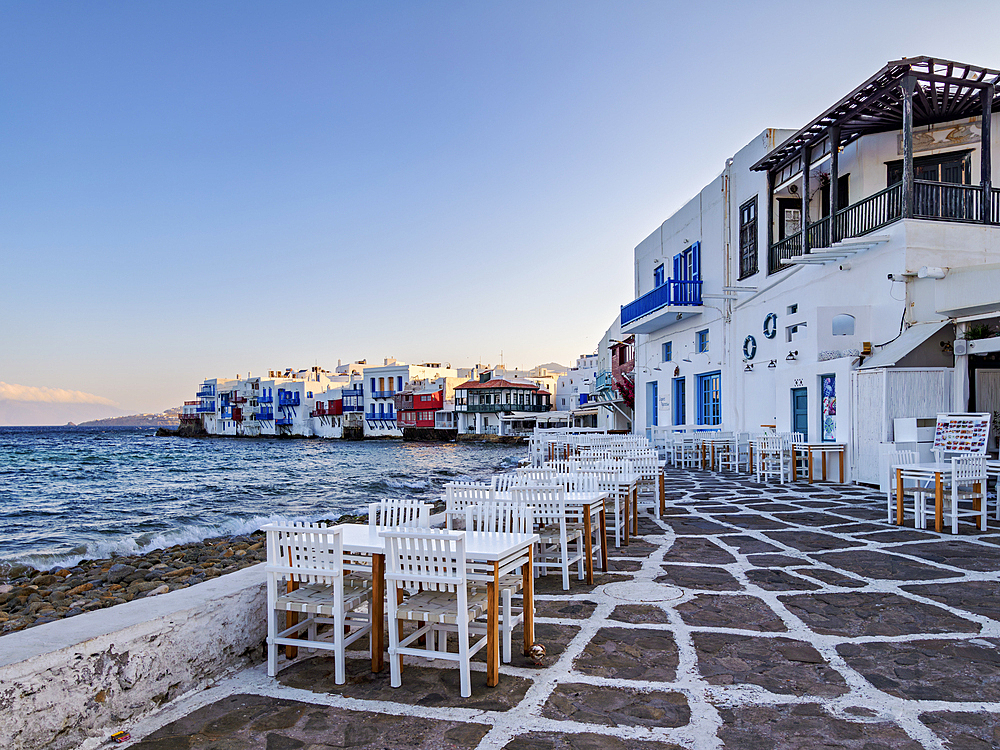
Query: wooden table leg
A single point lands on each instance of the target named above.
(663, 494)
(493, 630)
(604, 539)
(840, 453)
(528, 603)
(976, 505)
(899, 499)
(938, 502)
(809, 452)
(823, 456)
(588, 545)
(377, 612)
(795, 464)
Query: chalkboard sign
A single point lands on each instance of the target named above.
(961, 433)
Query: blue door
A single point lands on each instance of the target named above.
(709, 397)
(800, 411)
(680, 413)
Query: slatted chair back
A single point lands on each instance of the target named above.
(305, 553)
(541, 475)
(398, 513)
(426, 559)
(968, 470)
(500, 518)
(548, 503)
(503, 482)
(458, 496)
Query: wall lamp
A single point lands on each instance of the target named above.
(792, 356)
(772, 364)
(748, 368)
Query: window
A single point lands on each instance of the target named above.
(373, 385)
(792, 309)
(709, 393)
(701, 339)
(652, 412)
(843, 325)
(680, 397)
(399, 382)
(658, 278)
(748, 238)
(668, 351)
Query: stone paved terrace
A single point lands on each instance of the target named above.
(801, 620)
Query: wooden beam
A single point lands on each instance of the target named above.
(907, 85)
(770, 216)
(806, 163)
(985, 147)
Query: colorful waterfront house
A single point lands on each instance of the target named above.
(573, 391)
(384, 382)
(845, 263)
(479, 404)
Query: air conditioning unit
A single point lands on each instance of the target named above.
(961, 347)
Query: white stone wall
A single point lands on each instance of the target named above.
(89, 676)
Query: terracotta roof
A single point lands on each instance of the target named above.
(495, 383)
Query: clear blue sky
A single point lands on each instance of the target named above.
(196, 189)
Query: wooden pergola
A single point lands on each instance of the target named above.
(905, 93)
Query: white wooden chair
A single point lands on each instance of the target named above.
(729, 455)
(606, 480)
(967, 485)
(458, 496)
(404, 513)
(503, 482)
(305, 573)
(561, 536)
(431, 563)
(536, 476)
(893, 458)
(504, 518)
(770, 458)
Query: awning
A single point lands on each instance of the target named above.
(907, 341)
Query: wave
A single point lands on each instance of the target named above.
(145, 543)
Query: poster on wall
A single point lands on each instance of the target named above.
(829, 408)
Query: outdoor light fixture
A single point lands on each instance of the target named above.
(686, 359)
(772, 364)
(748, 368)
(792, 356)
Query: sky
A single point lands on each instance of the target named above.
(193, 190)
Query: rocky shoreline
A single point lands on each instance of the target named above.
(30, 597)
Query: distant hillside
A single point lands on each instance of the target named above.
(169, 418)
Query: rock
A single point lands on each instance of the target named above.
(180, 572)
(45, 580)
(80, 589)
(161, 590)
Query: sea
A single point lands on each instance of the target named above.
(68, 494)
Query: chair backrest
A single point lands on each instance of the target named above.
(305, 552)
(402, 513)
(503, 482)
(499, 517)
(771, 443)
(537, 475)
(968, 469)
(431, 559)
(458, 496)
(893, 458)
(548, 503)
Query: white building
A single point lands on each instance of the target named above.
(573, 391)
(741, 319)
(381, 385)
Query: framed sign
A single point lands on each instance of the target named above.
(961, 433)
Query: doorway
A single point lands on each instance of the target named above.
(800, 411)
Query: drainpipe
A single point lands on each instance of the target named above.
(727, 303)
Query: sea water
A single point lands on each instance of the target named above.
(70, 494)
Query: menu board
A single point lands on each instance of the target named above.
(961, 433)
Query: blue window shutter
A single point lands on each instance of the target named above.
(696, 260)
(678, 266)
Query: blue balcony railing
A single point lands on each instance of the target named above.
(283, 421)
(265, 416)
(383, 394)
(288, 398)
(671, 293)
(262, 399)
(348, 409)
(207, 391)
(605, 380)
(206, 407)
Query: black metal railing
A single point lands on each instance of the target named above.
(939, 200)
(995, 206)
(874, 212)
(790, 247)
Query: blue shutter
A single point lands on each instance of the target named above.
(696, 260)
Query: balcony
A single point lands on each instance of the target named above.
(286, 398)
(937, 201)
(206, 407)
(666, 304)
(262, 399)
(207, 391)
(283, 421)
(383, 394)
(494, 408)
(265, 416)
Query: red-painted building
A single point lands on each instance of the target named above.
(418, 409)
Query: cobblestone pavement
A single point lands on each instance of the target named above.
(749, 617)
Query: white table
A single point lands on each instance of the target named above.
(591, 505)
(501, 550)
(939, 473)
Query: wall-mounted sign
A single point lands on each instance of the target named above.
(771, 326)
(749, 347)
